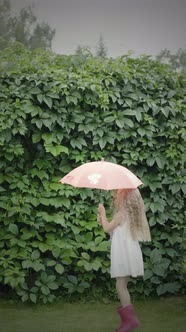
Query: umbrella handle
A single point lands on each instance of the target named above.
(101, 196)
(100, 202)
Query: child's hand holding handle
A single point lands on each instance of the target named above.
(101, 213)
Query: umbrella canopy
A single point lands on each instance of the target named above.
(102, 175)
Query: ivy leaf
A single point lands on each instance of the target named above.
(100, 132)
(39, 123)
(40, 98)
(45, 290)
(155, 256)
(160, 162)
(59, 268)
(170, 287)
(183, 187)
(53, 285)
(175, 187)
(85, 256)
(109, 119)
(13, 229)
(128, 102)
(138, 116)
(128, 122)
(171, 94)
(56, 150)
(161, 267)
(36, 137)
(141, 131)
(150, 161)
(102, 142)
(48, 101)
(35, 91)
(148, 274)
(33, 298)
(47, 123)
(35, 254)
(24, 298)
(73, 279)
(120, 123)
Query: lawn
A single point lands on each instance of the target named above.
(156, 315)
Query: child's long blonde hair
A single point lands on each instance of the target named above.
(131, 205)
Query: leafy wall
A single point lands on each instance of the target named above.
(58, 112)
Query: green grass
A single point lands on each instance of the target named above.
(156, 315)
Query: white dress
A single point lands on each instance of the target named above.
(126, 255)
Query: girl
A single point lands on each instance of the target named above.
(128, 227)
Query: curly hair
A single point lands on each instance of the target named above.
(130, 203)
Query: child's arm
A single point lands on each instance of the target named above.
(107, 226)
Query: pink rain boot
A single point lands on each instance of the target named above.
(129, 319)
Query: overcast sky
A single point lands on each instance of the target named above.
(143, 26)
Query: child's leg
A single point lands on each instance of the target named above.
(123, 293)
(129, 320)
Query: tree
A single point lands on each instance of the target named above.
(177, 60)
(101, 49)
(23, 28)
(82, 50)
(79, 50)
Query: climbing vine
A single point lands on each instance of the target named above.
(58, 112)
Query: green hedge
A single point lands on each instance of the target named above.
(58, 112)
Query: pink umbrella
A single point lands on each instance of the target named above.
(102, 175)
